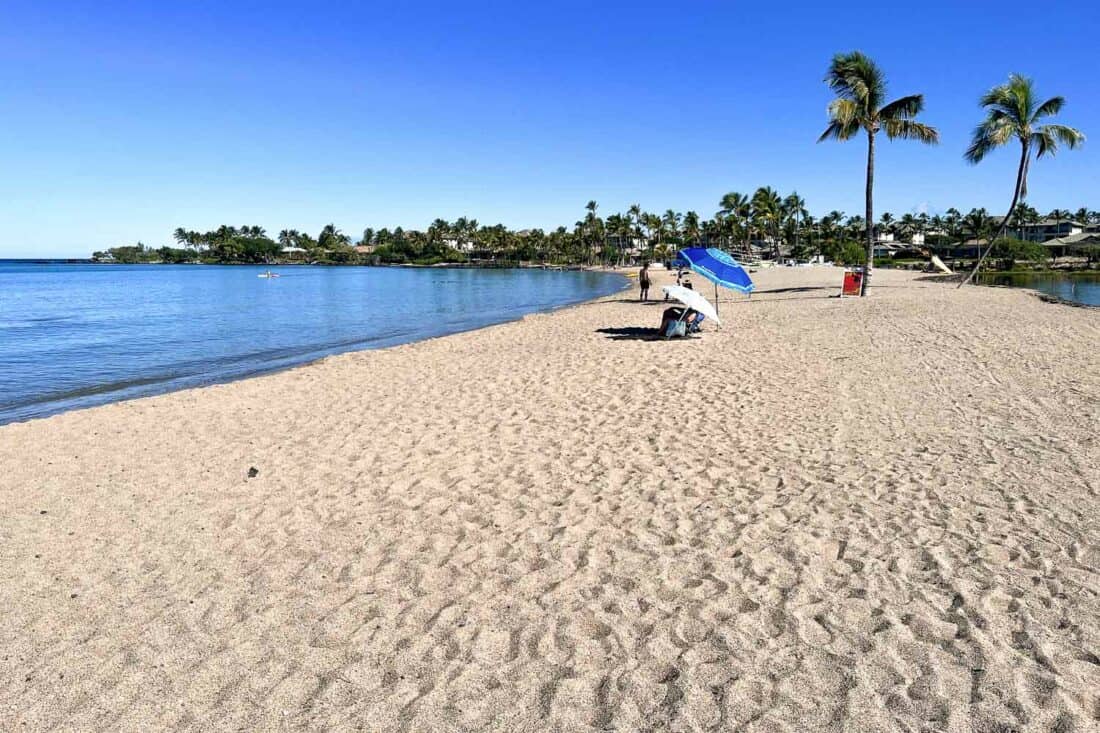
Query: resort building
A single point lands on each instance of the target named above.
(1081, 243)
(461, 245)
(1045, 229)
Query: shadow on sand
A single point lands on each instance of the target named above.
(809, 289)
(630, 333)
(636, 333)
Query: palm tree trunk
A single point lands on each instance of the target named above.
(869, 214)
(1021, 177)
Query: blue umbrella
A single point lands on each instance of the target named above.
(718, 267)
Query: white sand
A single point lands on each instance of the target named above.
(856, 515)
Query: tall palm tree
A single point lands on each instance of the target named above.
(861, 105)
(979, 223)
(592, 228)
(794, 209)
(767, 212)
(1059, 216)
(1014, 113)
(671, 223)
(691, 228)
(737, 209)
(907, 225)
(886, 222)
(652, 224)
(953, 221)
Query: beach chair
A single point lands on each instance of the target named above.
(675, 328)
(683, 327)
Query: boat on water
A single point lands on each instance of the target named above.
(268, 274)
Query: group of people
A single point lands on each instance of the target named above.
(673, 317)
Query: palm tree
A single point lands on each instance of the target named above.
(652, 224)
(1059, 215)
(979, 223)
(691, 228)
(861, 105)
(1015, 113)
(767, 211)
(592, 228)
(331, 237)
(1026, 214)
(886, 223)
(737, 209)
(671, 224)
(907, 225)
(953, 221)
(794, 209)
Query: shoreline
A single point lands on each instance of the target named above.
(874, 513)
(153, 387)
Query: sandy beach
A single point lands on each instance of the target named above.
(829, 515)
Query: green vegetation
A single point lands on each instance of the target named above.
(763, 225)
(139, 253)
(1014, 113)
(1008, 251)
(861, 104)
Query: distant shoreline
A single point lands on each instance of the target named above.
(413, 265)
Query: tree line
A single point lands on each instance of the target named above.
(763, 223)
(747, 224)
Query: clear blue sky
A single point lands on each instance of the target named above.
(122, 121)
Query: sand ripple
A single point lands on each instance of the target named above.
(831, 515)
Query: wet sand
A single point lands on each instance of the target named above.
(837, 515)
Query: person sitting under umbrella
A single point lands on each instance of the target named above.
(672, 318)
(680, 321)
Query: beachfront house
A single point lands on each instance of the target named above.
(884, 249)
(1045, 229)
(1086, 244)
(968, 249)
(460, 245)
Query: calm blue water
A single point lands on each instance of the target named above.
(1081, 287)
(76, 335)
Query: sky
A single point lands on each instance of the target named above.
(123, 121)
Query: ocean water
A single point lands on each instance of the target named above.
(1079, 287)
(77, 335)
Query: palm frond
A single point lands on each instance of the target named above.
(911, 130)
(1014, 99)
(855, 76)
(905, 108)
(844, 120)
(838, 131)
(989, 135)
(844, 111)
(1048, 137)
(1050, 107)
(1071, 137)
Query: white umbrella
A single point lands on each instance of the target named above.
(693, 300)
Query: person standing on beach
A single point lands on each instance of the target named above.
(643, 282)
